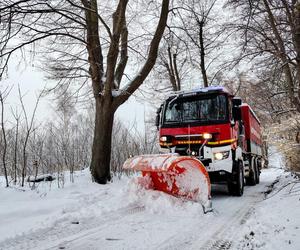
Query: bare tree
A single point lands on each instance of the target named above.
(3, 96)
(29, 128)
(194, 23)
(191, 47)
(173, 61)
(17, 117)
(53, 148)
(271, 41)
(65, 110)
(106, 102)
(76, 23)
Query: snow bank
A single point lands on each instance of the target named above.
(23, 210)
(276, 159)
(275, 222)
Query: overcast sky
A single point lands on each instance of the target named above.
(32, 81)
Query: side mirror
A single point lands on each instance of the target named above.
(236, 110)
(157, 119)
(236, 101)
(236, 113)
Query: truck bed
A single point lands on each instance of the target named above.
(252, 130)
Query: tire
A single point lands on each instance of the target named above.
(252, 179)
(236, 182)
(257, 172)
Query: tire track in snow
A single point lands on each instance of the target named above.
(224, 236)
(220, 233)
(221, 245)
(65, 231)
(229, 231)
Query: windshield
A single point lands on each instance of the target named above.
(197, 109)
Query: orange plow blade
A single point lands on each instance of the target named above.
(181, 176)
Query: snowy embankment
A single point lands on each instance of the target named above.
(122, 215)
(48, 214)
(275, 221)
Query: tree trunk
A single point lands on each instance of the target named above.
(202, 55)
(101, 151)
(297, 44)
(16, 152)
(176, 72)
(169, 66)
(24, 165)
(4, 140)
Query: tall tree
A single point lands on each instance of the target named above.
(96, 48)
(3, 96)
(271, 40)
(191, 47)
(195, 18)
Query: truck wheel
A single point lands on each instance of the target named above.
(251, 179)
(236, 182)
(257, 172)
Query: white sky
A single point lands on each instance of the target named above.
(31, 81)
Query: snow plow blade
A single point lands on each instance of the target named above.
(180, 176)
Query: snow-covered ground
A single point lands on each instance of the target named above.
(121, 215)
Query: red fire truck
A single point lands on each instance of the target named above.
(212, 125)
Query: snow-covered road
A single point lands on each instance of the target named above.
(122, 216)
(223, 229)
(143, 230)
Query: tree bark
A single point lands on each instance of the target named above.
(293, 17)
(297, 43)
(178, 80)
(4, 140)
(170, 68)
(101, 151)
(16, 150)
(202, 54)
(93, 46)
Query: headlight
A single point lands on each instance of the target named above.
(221, 155)
(163, 138)
(207, 136)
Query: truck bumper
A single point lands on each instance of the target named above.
(223, 165)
